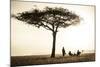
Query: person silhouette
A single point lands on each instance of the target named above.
(78, 52)
(70, 54)
(63, 51)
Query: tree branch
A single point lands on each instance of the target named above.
(47, 27)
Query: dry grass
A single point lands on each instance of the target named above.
(43, 59)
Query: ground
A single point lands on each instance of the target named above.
(45, 59)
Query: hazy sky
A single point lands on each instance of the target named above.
(29, 40)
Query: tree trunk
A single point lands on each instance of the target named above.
(54, 44)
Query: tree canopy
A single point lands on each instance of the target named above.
(49, 18)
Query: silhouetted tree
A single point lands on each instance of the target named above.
(49, 18)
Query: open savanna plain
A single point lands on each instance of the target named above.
(46, 59)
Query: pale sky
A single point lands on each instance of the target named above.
(29, 40)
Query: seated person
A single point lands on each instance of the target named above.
(70, 54)
(78, 52)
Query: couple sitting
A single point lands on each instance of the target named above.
(78, 53)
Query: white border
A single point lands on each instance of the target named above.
(4, 33)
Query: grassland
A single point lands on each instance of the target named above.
(45, 59)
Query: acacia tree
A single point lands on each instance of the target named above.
(51, 19)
